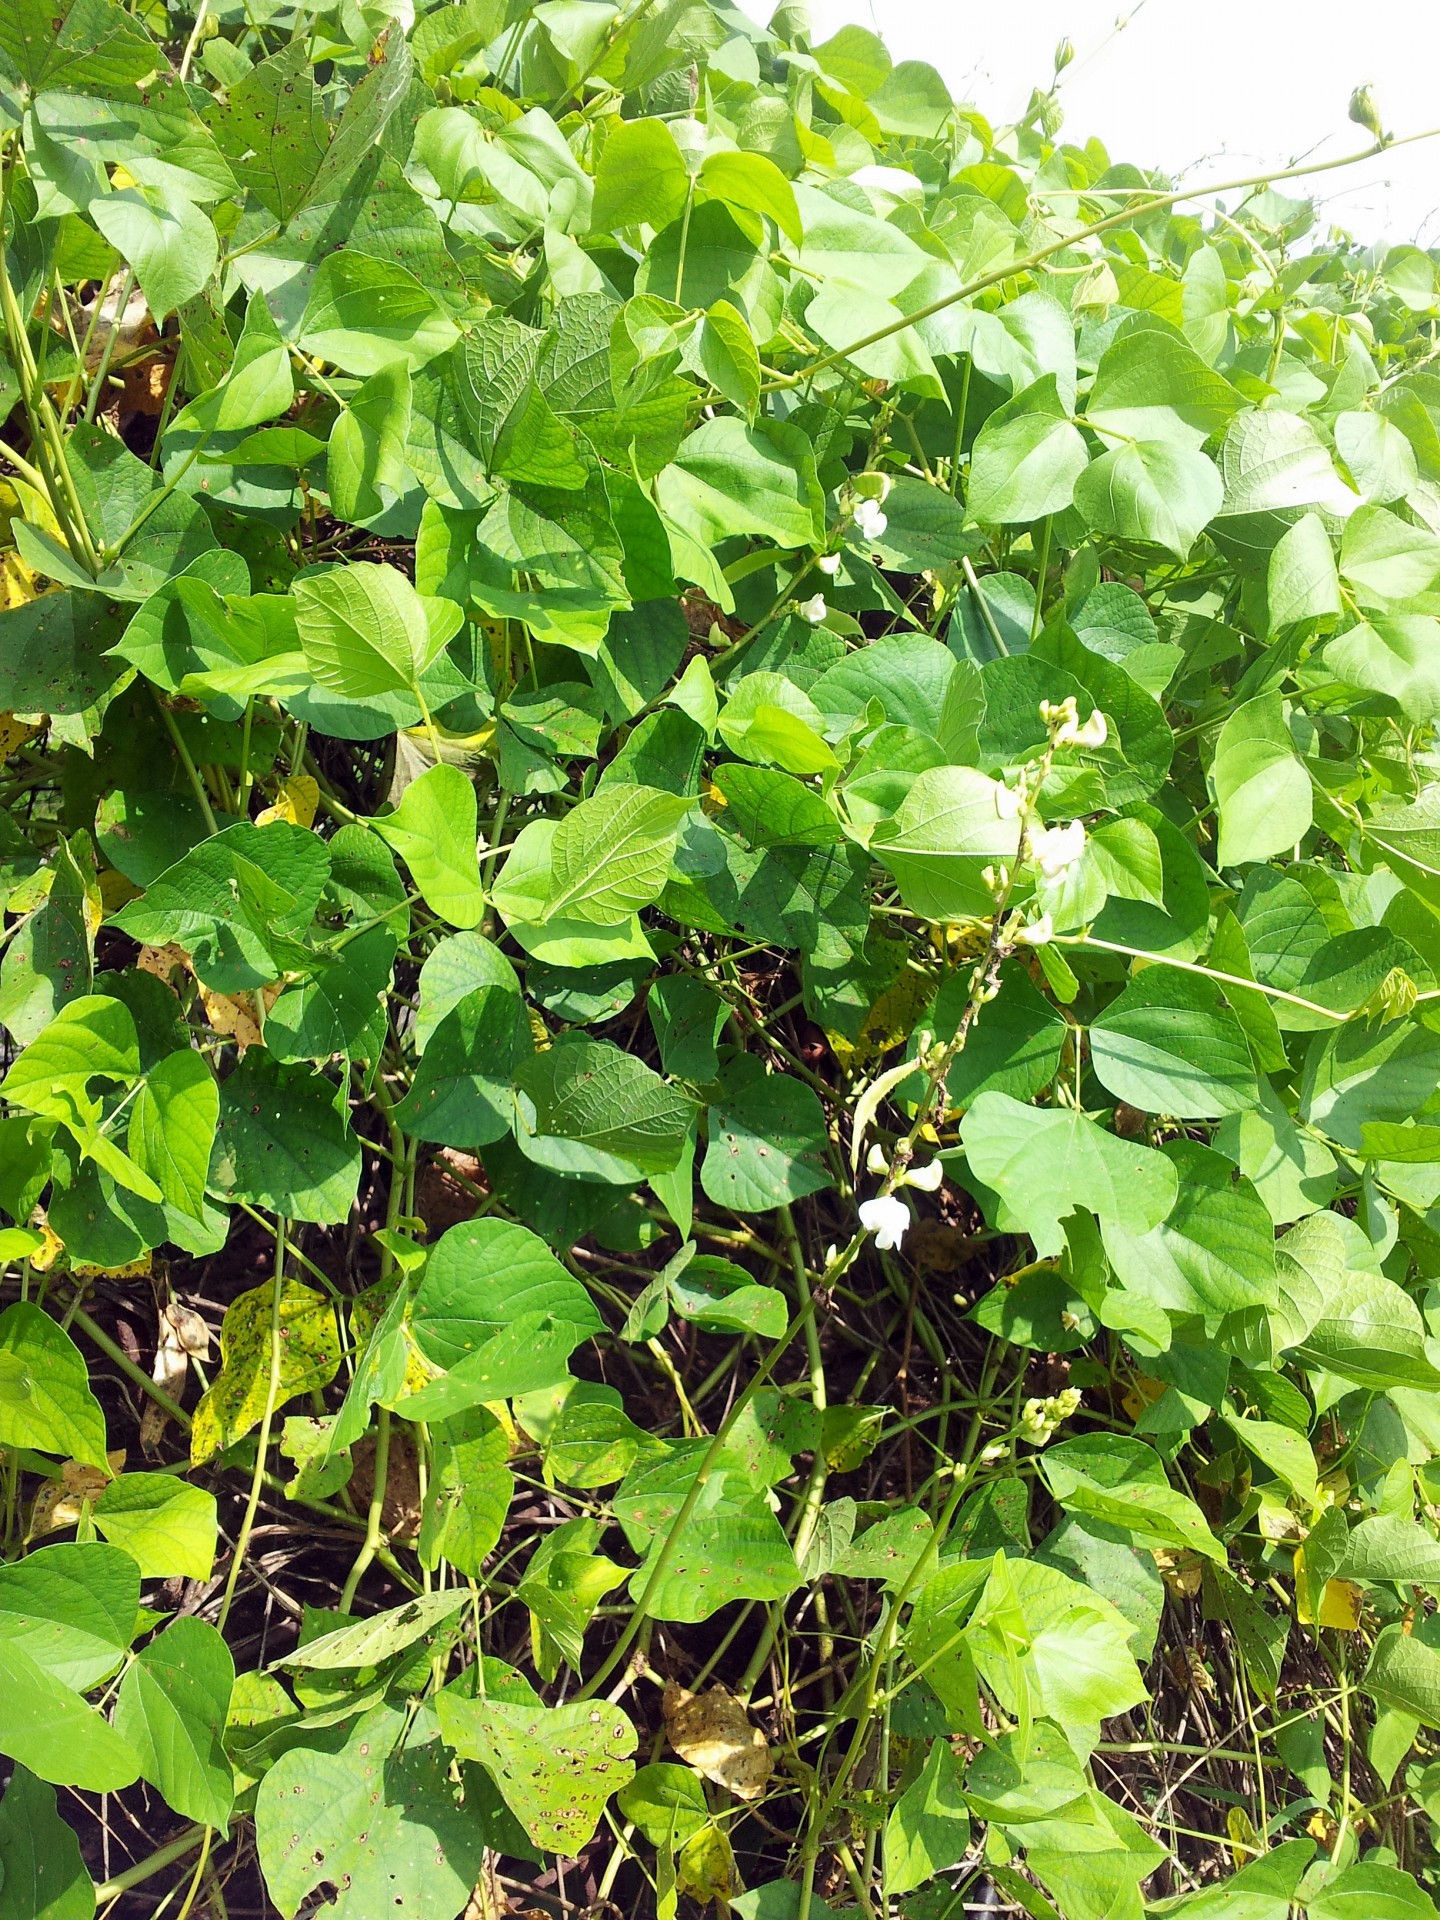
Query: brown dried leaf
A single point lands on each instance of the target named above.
(59, 1502)
(712, 1733)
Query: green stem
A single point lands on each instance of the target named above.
(374, 1531)
(146, 1869)
(262, 1443)
(197, 785)
(1156, 203)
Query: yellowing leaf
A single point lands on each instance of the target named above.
(712, 1733)
(45, 1257)
(131, 1270)
(1142, 1392)
(309, 1358)
(13, 733)
(706, 1868)
(296, 802)
(115, 889)
(1339, 1603)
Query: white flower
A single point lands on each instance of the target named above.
(1056, 849)
(887, 1218)
(1007, 801)
(813, 609)
(926, 1178)
(829, 564)
(875, 1161)
(1039, 933)
(1066, 727)
(1092, 732)
(870, 521)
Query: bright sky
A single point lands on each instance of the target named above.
(1207, 89)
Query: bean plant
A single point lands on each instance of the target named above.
(721, 988)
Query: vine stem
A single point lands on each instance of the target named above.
(262, 1444)
(143, 1870)
(666, 1556)
(1157, 203)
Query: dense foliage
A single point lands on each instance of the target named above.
(721, 852)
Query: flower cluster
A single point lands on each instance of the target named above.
(1042, 1419)
(1067, 729)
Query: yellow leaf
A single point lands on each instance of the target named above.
(1180, 1569)
(309, 1358)
(235, 1016)
(45, 1257)
(1143, 1392)
(132, 1270)
(1339, 1603)
(13, 733)
(712, 1733)
(296, 802)
(365, 1310)
(706, 1868)
(115, 890)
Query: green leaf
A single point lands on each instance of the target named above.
(1395, 656)
(368, 1642)
(170, 243)
(1122, 1482)
(610, 854)
(751, 181)
(767, 1143)
(1045, 1162)
(172, 1128)
(172, 1709)
(365, 630)
(434, 832)
(947, 831)
(258, 387)
(1404, 1672)
(1302, 584)
(50, 1729)
(1213, 1253)
(1360, 1074)
(483, 1275)
(71, 1609)
(556, 1767)
(586, 1107)
(642, 178)
(45, 1397)
(282, 1143)
(44, 1872)
(1261, 786)
(1169, 1045)
(726, 353)
(236, 903)
(366, 455)
(468, 1494)
(1369, 1331)
(167, 1527)
(1026, 459)
(460, 1095)
(377, 1819)
(929, 1826)
(90, 43)
(666, 1802)
(1152, 386)
(1152, 493)
(366, 314)
(728, 478)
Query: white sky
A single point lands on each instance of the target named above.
(1206, 89)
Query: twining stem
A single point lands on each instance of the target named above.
(666, 1556)
(1157, 203)
(262, 1443)
(374, 1529)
